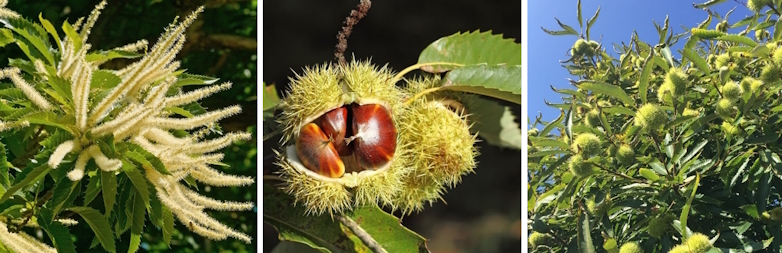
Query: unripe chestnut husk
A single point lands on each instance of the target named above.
(442, 152)
(330, 98)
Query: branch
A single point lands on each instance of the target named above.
(361, 234)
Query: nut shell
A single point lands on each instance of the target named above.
(375, 135)
(317, 153)
(335, 125)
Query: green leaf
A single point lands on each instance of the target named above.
(186, 79)
(566, 27)
(584, 233)
(6, 37)
(649, 174)
(168, 224)
(33, 176)
(697, 60)
(563, 32)
(99, 225)
(551, 125)
(707, 3)
(38, 39)
(104, 79)
(138, 180)
(135, 241)
(469, 49)
(60, 235)
(503, 82)
(5, 166)
(550, 143)
(686, 209)
(606, 89)
(580, 19)
(326, 235)
(495, 123)
(71, 34)
(102, 56)
(109, 189)
(48, 118)
(658, 167)
(62, 191)
(50, 29)
(777, 30)
(139, 214)
(146, 159)
(737, 39)
(270, 97)
(387, 230)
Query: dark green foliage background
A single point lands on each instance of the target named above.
(127, 21)
(481, 212)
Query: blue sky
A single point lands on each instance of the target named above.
(615, 24)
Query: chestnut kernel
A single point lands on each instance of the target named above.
(335, 125)
(374, 135)
(317, 153)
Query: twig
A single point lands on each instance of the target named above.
(347, 27)
(361, 234)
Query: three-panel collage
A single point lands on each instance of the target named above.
(390, 126)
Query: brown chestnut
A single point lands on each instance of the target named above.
(335, 125)
(317, 153)
(374, 135)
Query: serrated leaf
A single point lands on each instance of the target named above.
(32, 34)
(71, 34)
(696, 59)
(146, 159)
(62, 191)
(563, 32)
(737, 39)
(155, 211)
(707, 3)
(60, 235)
(139, 214)
(168, 224)
(135, 241)
(584, 233)
(33, 176)
(501, 81)
(606, 89)
(180, 111)
(5, 166)
(387, 230)
(6, 37)
(688, 205)
(326, 235)
(138, 180)
(648, 174)
(469, 49)
(93, 188)
(99, 225)
(495, 123)
(592, 20)
(186, 79)
(48, 118)
(109, 190)
(580, 19)
(104, 79)
(658, 167)
(50, 29)
(102, 56)
(777, 30)
(566, 27)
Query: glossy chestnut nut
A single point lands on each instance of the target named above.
(317, 152)
(374, 135)
(335, 125)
